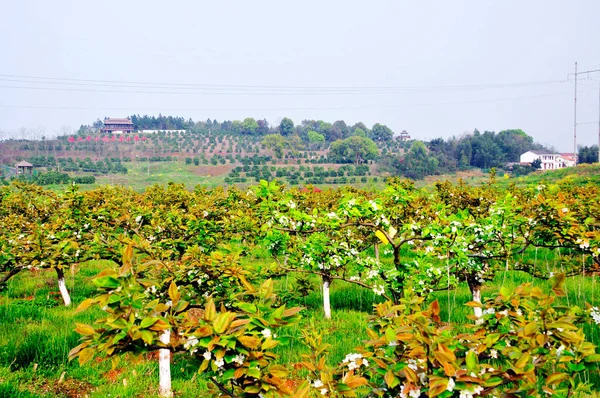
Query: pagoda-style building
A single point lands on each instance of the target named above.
(404, 136)
(117, 126)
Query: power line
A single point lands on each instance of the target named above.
(261, 88)
(282, 108)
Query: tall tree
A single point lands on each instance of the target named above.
(381, 132)
(249, 126)
(286, 127)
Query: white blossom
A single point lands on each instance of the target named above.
(266, 333)
(451, 384)
(239, 359)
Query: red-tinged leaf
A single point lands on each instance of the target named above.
(302, 390)
(85, 304)
(530, 328)
(556, 378)
(278, 371)
(85, 355)
(203, 366)
(247, 285)
(447, 352)
(239, 322)
(75, 351)
(210, 311)
(239, 372)
(390, 379)
(449, 370)
(266, 289)
(222, 322)
(84, 329)
(434, 391)
(174, 293)
(203, 331)
(160, 325)
(355, 381)
(269, 344)
(308, 366)
(523, 360)
(251, 342)
(435, 308)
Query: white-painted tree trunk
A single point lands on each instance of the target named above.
(62, 287)
(164, 366)
(326, 303)
(476, 291)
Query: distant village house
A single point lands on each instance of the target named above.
(117, 126)
(549, 160)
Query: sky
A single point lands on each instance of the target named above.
(432, 68)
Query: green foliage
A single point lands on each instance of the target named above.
(354, 149)
(523, 344)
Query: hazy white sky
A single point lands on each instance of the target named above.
(434, 68)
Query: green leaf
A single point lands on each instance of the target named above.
(107, 282)
(247, 307)
(253, 372)
(147, 322)
(147, 336)
(471, 360)
(228, 374)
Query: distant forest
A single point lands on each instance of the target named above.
(358, 143)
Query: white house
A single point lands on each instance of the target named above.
(550, 161)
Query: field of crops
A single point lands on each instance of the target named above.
(267, 291)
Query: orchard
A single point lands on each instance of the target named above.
(185, 282)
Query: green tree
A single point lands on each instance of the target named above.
(315, 138)
(356, 149)
(587, 154)
(286, 127)
(514, 143)
(381, 132)
(249, 126)
(274, 142)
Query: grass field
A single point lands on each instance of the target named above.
(37, 332)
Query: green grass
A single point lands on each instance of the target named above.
(37, 332)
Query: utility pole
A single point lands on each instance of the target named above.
(575, 113)
(575, 120)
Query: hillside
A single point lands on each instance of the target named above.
(313, 152)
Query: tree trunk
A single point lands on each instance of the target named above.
(476, 292)
(326, 303)
(164, 366)
(376, 249)
(62, 287)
